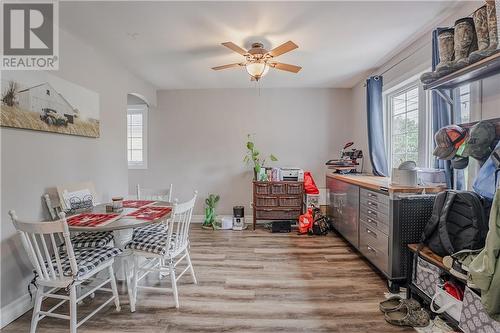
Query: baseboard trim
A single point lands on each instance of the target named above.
(15, 309)
(201, 218)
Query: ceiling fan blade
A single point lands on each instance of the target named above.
(283, 48)
(235, 48)
(285, 67)
(252, 78)
(227, 66)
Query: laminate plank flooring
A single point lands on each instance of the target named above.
(251, 281)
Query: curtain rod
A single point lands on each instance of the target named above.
(400, 61)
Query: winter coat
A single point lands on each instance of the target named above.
(484, 270)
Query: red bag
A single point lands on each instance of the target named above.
(454, 290)
(309, 185)
(306, 221)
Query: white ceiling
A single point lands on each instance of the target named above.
(173, 45)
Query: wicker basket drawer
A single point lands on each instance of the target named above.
(262, 188)
(295, 201)
(294, 188)
(278, 188)
(277, 214)
(261, 201)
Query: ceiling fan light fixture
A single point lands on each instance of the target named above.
(257, 69)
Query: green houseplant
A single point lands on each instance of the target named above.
(210, 215)
(253, 156)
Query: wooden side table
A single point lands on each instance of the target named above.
(277, 200)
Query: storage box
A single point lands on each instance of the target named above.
(227, 222)
(427, 277)
(430, 177)
(474, 317)
(311, 199)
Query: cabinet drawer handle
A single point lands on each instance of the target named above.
(369, 232)
(370, 203)
(371, 249)
(371, 212)
(267, 210)
(372, 222)
(372, 195)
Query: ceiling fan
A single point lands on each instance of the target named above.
(258, 60)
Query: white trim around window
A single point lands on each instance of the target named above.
(424, 149)
(137, 136)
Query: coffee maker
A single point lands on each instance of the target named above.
(238, 218)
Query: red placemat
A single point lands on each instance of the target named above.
(91, 219)
(150, 213)
(136, 203)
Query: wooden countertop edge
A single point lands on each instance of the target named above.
(382, 184)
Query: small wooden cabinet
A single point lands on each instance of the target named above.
(277, 200)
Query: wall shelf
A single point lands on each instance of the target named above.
(479, 70)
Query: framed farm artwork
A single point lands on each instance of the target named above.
(37, 100)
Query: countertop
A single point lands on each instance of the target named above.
(382, 183)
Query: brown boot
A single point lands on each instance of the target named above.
(446, 51)
(493, 25)
(493, 29)
(465, 42)
(483, 38)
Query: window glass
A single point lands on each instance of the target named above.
(404, 117)
(136, 136)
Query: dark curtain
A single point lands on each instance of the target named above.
(458, 174)
(441, 112)
(375, 116)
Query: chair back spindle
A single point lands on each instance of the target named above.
(154, 194)
(44, 253)
(179, 224)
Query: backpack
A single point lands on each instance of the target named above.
(320, 225)
(458, 222)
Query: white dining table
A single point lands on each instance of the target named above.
(123, 229)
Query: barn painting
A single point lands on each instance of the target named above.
(43, 102)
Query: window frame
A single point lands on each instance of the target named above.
(143, 110)
(424, 121)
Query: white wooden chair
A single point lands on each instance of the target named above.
(63, 268)
(157, 195)
(163, 252)
(81, 239)
(154, 194)
(76, 192)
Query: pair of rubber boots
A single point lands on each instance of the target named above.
(472, 39)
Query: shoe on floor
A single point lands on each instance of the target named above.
(395, 302)
(405, 316)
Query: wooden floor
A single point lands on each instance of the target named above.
(252, 281)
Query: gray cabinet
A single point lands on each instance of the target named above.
(378, 225)
(344, 203)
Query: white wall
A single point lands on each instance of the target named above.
(34, 161)
(414, 60)
(197, 138)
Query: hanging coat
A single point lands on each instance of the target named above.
(484, 270)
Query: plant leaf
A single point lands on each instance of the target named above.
(273, 158)
(250, 145)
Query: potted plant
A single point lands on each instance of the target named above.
(210, 215)
(253, 156)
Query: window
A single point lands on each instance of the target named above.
(408, 124)
(464, 107)
(137, 136)
(462, 115)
